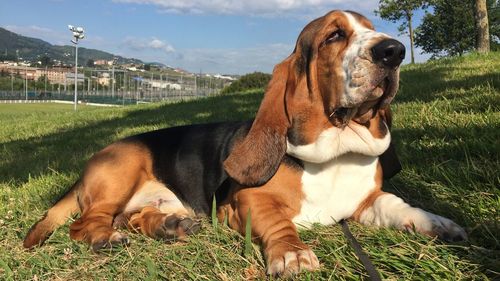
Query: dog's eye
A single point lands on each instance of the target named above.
(335, 36)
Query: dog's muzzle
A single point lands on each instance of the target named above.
(387, 55)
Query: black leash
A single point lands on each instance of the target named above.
(363, 257)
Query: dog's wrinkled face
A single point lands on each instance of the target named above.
(357, 68)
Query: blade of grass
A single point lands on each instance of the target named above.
(248, 234)
(214, 213)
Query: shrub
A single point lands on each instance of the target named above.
(256, 80)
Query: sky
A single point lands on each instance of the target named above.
(209, 36)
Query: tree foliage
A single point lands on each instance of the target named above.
(45, 61)
(90, 63)
(450, 29)
(7, 57)
(41, 82)
(255, 80)
(494, 20)
(401, 11)
(8, 83)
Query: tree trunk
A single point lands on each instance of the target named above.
(410, 30)
(482, 28)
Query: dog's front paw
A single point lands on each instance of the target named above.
(434, 225)
(447, 230)
(292, 262)
(115, 240)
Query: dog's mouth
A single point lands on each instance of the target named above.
(367, 110)
(379, 97)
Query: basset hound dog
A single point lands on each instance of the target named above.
(317, 152)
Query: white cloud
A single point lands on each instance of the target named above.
(266, 8)
(158, 44)
(141, 44)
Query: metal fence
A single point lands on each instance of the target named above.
(113, 86)
(107, 97)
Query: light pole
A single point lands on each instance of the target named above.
(45, 86)
(12, 83)
(77, 34)
(26, 83)
(113, 79)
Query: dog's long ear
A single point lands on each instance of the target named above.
(390, 162)
(255, 159)
(389, 159)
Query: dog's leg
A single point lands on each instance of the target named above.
(95, 227)
(272, 225)
(110, 179)
(152, 222)
(386, 209)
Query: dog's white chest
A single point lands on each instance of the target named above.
(334, 190)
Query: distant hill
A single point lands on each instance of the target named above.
(32, 48)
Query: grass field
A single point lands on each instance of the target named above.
(16, 109)
(446, 129)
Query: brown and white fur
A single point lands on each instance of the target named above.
(336, 172)
(316, 152)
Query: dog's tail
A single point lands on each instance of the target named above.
(57, 215)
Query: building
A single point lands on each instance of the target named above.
(159, 84)
(22, 71)
(70, 77)
(55, 75)
(103, 62)
(104, 79)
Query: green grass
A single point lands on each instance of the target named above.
(14, 110)
(447, 132)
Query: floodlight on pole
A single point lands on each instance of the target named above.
(77, 35)
(113, 77)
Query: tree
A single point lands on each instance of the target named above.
(90, 63)
(46, 61)
(401, 10)
(494, 24)
(40, 82)
(450, 30)
(482, 27)
(7, 57)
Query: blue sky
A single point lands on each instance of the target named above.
(217, 36)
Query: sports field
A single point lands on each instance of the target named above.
(16, 109)
(446, 130)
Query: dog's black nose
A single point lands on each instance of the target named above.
(389, 52)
